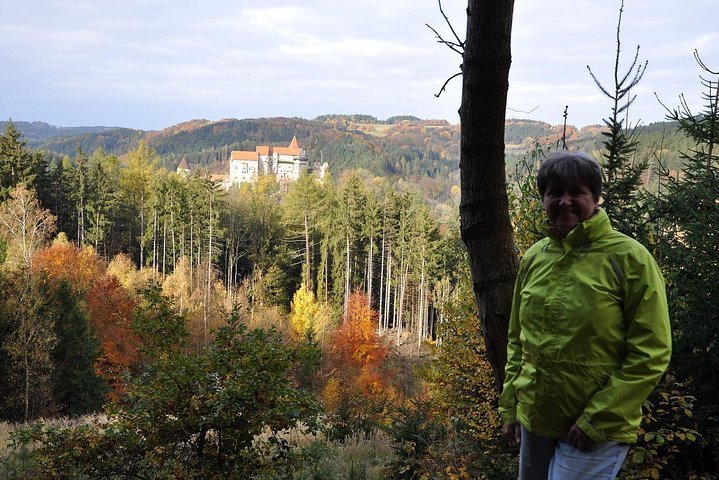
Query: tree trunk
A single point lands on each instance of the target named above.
(369, 271)
(388, 283)
(208, 293)
(380, 317)
(484, 210)
(420, 310)
(308, 257)
(142, 230)
(347, 277)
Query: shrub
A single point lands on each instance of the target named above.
(187, 416)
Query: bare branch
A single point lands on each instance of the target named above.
(449, 24)
(454, 46)
(457, 46)
(445, 84)
(523, 111)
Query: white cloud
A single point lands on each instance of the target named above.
(151, 63)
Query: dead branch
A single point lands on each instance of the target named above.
(445, 84)
(449, 24)
(457, 47)
(523, 111)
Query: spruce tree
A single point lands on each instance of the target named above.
(623, 171)
(77, 388)
(687, 224)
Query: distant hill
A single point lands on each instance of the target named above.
(402, 145)
(36, 133)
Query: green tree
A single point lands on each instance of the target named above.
(527, 211)
(103, 177)
(17, 163)
(623, 171)
(136, 182)
(28, 338)
(688, 220)
(77, 387)
(305, 206)
(349, 239)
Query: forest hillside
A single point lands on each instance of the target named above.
(402, 146)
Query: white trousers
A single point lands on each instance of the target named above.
(543, 458)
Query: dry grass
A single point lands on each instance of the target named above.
(318, 458)
(6, 428)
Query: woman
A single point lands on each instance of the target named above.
(589, 334)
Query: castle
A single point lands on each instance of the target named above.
(285, 163)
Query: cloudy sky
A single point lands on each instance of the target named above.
(150, 64)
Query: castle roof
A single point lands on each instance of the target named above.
(243, 155)
(183, 165)
(293, 150)
(287, 150)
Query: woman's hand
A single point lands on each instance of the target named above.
(579, 439)
(512, 431)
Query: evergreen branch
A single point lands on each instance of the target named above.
(598, 83)
(626, 105)
(619, 45)
(631, 69)
(702, 64)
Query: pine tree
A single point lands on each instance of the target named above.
(687, 224)
(28, 338)
(136, 181)
(623, 171)
(76, 386)
(17, 163)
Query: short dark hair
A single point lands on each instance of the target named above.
(565, 166)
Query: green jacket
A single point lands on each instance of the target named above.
(589, 334)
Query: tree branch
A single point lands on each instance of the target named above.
(454, 46)
(449, 24)
(445, 84)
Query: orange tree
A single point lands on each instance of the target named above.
(358, 388)
(104, 304)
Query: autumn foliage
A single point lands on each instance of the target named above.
(359, 387)
(107, 304)
(63, 261)
(110, 310)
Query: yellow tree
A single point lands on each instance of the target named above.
(304, 309)
(178, 285)
(24, 225)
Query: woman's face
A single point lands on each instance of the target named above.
(567, 204)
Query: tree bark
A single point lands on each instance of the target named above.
(484, 211)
